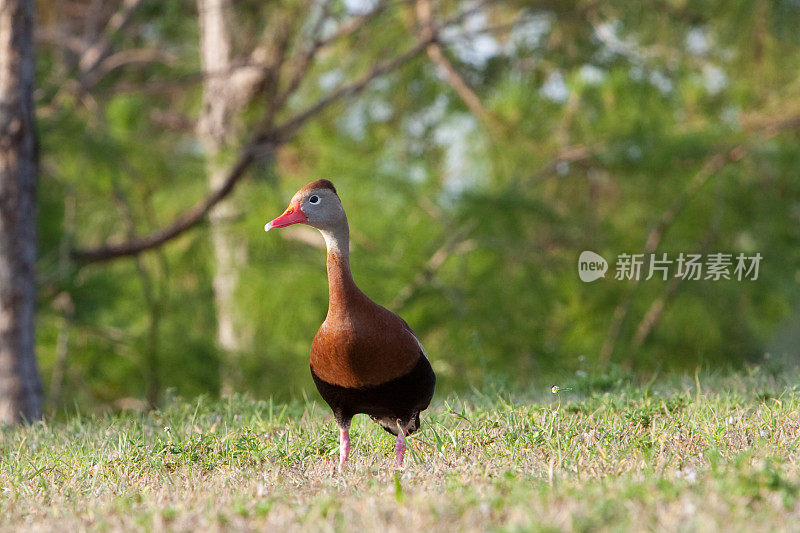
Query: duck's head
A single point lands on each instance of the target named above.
(317, 204)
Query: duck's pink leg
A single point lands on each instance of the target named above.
(344, 446)
(400, 445)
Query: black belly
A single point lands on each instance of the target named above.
(399, 399)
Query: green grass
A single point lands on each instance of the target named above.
(606, 455)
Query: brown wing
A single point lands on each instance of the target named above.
(364, 347)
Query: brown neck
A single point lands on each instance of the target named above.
(341, 287)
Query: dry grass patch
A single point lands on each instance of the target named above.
(665, 456)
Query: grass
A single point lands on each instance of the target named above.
(682, 454)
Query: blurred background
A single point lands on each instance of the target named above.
(478, 147)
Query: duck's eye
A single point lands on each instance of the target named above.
(314, 199)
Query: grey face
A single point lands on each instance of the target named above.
(321, 207)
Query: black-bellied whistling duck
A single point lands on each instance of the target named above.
(364, 358)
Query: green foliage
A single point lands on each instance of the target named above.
(646, 96)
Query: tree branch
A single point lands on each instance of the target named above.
(264, 141)
(453, 77)
(190, 218)
(267, 59)
(126, 57)
(292, 124)
(301, 62)
(458, 243)
(654, 313)
(656, 234)
(95, 54)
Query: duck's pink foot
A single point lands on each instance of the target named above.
(400, 445)
(344, 447)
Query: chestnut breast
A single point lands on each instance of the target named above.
(363, 345)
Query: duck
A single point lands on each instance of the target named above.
(364, 358)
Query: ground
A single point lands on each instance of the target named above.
(675, 454)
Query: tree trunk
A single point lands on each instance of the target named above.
(216, 130)
(20, 388)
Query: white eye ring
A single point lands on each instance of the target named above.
(314, 199)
